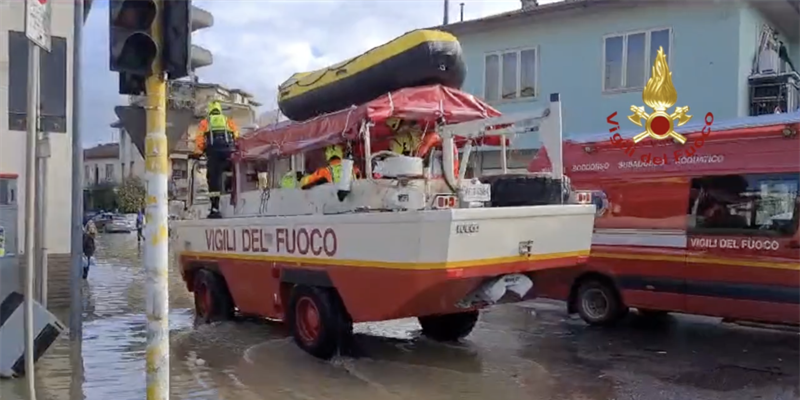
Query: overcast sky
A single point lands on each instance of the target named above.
(257, 44)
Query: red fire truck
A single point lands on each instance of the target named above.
(708, 227)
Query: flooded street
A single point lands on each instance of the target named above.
(532, 351)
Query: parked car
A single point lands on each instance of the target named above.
(101, 220)
(119, 224)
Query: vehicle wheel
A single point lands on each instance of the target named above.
(212, 301)
(598, 303)
(448, 327)
(317, 320)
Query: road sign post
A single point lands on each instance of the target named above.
(38, 31)
(37, 22)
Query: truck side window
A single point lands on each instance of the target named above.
(754, 204)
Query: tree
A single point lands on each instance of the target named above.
(131, 195)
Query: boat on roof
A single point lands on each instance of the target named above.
(417, 58)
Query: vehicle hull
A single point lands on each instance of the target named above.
(382, 265)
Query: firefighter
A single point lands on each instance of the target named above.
(330, 173)
(291, 179)
(406, 144)
(216, 138)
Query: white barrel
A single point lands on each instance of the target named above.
(346, 180)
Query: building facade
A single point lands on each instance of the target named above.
(56, 118)
(102, 164)
(598, 55)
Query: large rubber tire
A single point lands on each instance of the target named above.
(448, 327)
(598, 303)
(318, 321)
(212, 300)
(524, 190)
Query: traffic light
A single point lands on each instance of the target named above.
(133, 49)
(180, 19)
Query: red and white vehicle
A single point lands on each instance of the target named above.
(422, 240)
(712, 230)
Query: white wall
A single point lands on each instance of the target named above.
(12, 149)
(100, 164)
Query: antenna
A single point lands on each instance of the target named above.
(462, 12)
(446, 12)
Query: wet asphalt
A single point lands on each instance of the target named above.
(528, 351)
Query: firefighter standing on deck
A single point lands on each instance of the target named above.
(330, 173)
(406, 144)
(216, 138)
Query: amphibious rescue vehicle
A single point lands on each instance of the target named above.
(415, 237)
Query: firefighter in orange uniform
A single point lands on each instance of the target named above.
(216, 138)
(330, 173)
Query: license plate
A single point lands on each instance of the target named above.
(479, 192)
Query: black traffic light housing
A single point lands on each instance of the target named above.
(132, 84)
(179, 56)
(132, 48)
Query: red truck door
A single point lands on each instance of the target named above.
(743, 258)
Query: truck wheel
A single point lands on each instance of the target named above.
(448, 327)
(317, 321)
(212, 301)
(598, 303)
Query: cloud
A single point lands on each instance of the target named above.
(257, 44)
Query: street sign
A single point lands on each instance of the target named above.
(37, 22)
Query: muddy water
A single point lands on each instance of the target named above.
(533, 352)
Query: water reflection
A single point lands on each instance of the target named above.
(514, 354)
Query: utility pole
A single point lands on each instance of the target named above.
(76, 259)
(76, 247)
(446, 19)
(149, 41)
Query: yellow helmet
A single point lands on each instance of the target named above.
(334, 151)
(214, 106)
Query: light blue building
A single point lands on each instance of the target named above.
(598, 54)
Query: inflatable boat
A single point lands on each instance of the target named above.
(421, 57)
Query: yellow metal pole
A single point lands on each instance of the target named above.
(156, 250)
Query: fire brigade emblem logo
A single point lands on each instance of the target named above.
(659, 94)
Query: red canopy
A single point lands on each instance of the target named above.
(425, 105)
